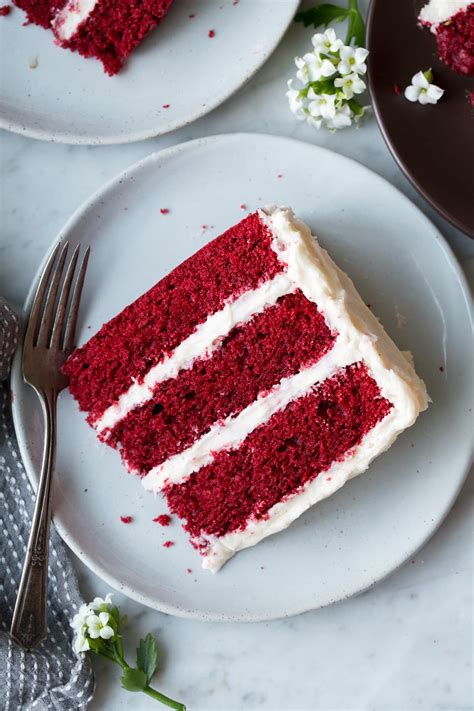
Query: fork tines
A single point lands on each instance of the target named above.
(48, 324)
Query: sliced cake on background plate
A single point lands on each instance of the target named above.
(247, 385)
(108, 30)
(452, 21)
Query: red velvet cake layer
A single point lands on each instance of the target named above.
(152, 326)
(114, 28)
(40, 12)
(280, 456)
(456, 41)
(255, 356)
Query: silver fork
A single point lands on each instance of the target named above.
(49, 340)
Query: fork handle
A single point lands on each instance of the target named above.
(30, 623)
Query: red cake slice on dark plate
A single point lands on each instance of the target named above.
(248, 384)
(108, 30)
(452, 21)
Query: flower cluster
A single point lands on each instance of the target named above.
(331, 76)
(93, 621)
(97, 628)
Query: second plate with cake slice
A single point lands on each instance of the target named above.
(252, 381)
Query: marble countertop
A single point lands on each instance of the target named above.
(404, 645)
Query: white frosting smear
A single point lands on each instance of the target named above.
(68, 19)
(202, 342)
(437, 11)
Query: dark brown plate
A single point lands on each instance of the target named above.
(433, 145)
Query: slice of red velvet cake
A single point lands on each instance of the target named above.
(106, 29)
(248, 384)
(452, 21)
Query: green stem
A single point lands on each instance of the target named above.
(352, 5)
(164, 699)
(116, 655)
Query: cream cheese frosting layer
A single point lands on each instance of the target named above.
(201, 343)
(67, 21)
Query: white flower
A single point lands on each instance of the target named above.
(312, 67)
(352, 60)
(296, 101)
(303, 70)
(98, 601)
(327, 42)
(316, 122)
(321, 105)
(350, 84)
(81, 644)
(422, 90)
(79, 619)
(97, 626)
(341, 119)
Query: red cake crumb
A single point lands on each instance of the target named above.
(5, 10)
(396, 89)
(126, 519)
(280, 175)
(163, 520)
(168, 544)
(243, 207)
(164, 210)
(211, 34)
(235, 2)
(441, 369)
(166, 106)
(456, 41)
(152, 326)
(189, 570)
(278, 458)
(253, 357)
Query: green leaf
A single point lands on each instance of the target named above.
(324, 86)
(322, 15)
(356, 28)
(147, 656)
(133, 679)
(95, 645)
(356, 107)
(115, 613)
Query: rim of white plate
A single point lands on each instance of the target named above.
(172, 125)
(62, 527)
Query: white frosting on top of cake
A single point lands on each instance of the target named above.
(361, 339)
(437, 11)
(67, 20)
(201, 343)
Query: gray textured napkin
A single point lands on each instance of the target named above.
(52, 677)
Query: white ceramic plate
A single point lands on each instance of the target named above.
(69, 99)
(402, 267)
